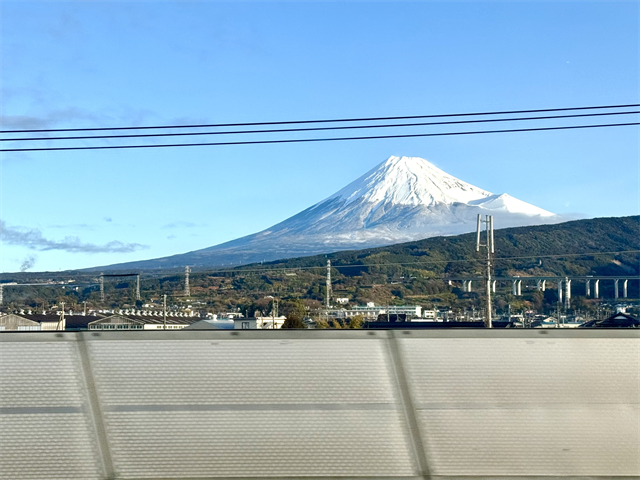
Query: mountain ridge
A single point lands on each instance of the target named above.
(570, 248)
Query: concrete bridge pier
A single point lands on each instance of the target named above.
(587, 288)
(560, 290)
(517, 287)
(541, 285)
(615, 288)
(567, 297)
(493, 286)
(625, 290)
(466, 286)
(596, 288)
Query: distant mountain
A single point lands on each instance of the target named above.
(400, 200)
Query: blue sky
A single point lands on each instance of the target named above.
(96, 64)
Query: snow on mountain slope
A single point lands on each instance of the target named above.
(409, 181)
(506, 203)
(400, 200)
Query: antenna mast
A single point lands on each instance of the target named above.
(490, 251)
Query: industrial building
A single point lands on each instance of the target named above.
(371, 311)
(101, 321)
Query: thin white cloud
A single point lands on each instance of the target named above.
(33, 239)
(84, 226)
(181, 224)
(48, 120)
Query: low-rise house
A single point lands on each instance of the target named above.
(430, 314)
(548, 322)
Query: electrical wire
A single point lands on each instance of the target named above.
(306, 140)
(337, 120)
(315, 129)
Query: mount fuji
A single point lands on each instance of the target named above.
(401, 200)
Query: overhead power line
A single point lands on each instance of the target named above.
(315, 129)
(305, 140)
(335, 120)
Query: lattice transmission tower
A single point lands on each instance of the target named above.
(187, 290)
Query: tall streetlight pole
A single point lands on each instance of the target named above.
(274, 311)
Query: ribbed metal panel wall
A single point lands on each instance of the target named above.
(526, 406)
(46, 429)
(255, 407)
(320, 404)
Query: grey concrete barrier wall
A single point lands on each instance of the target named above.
(320, 404)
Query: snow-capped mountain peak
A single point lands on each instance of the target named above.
(409, 181)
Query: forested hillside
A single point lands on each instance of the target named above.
(571, 248)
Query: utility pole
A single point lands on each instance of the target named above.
(61, 325)
(164, 312)
(490, 251)
(274, 313)
(328, 285)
